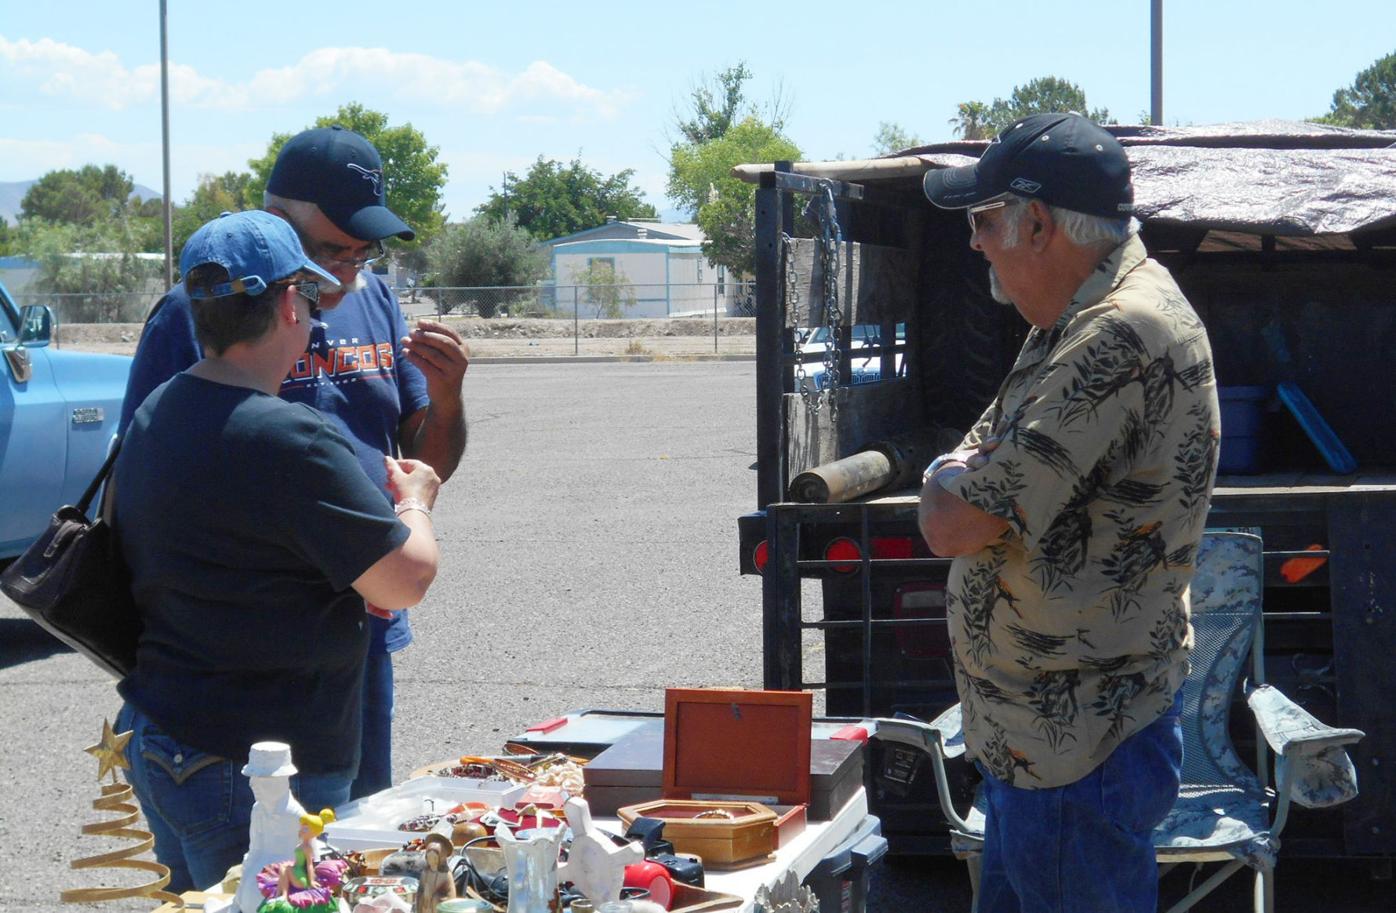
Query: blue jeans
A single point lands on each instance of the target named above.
(376, 746)
(1086, 847)
(198, 805)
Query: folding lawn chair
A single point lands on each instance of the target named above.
(1225, 813)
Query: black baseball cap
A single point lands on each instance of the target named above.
(339, 171)
(1062, 159)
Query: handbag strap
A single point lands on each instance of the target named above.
(101, 476)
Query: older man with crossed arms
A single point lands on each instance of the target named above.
(1073, 510)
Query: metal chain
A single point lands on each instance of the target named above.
(830, 238)
(792, 302)
(822, 209)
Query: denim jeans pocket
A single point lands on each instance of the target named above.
(1139, 781)
(191, 789)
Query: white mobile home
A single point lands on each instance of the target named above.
(660, 269)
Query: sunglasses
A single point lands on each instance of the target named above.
(310, 291)
(973, 213)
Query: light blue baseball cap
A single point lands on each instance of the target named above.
(255, 247)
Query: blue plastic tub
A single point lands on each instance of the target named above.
(1241, 414)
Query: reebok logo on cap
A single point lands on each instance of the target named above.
(1064, 160)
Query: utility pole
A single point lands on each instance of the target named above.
(165, 142)
(1156, 62)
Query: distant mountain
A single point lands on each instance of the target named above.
(12, 195)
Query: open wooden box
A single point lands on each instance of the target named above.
(724, 834)
(729, 755)
(722, 743)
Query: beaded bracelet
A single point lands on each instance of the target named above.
(407, 504)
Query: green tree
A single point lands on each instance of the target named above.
(608, 290)
(554, 199)
(78, 196)
(485, 252)
(976, 120)
(1370, 102)
(412, 177)
(971, 120)
(215, 194)
(97, 264)
(717, 103)
(5, 232)
(701, 182)
(892, 137)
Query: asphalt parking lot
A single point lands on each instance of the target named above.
(589, 545)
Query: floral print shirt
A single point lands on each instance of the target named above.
(1071, 632)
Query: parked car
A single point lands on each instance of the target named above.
(58, 415)
(865, 363)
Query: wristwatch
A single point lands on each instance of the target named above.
(956, 456)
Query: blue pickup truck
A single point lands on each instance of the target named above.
(58, 413)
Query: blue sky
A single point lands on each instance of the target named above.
(495, 85)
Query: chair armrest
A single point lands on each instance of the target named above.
(1319, 771)
(943, 735)
(942, 738)
(1289, 728)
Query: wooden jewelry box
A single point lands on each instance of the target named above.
(722, 749)
(724, 834)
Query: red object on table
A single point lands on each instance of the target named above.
(652, 877)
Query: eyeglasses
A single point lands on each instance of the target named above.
(976, 224)
(326, 253)
(323, 254)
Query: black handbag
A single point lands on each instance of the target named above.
(73, 581)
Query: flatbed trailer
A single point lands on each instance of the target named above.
(1295, 283)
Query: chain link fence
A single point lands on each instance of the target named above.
(97, 307)
(569, 302)
(583, 302)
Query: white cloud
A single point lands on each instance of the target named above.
(63, 72)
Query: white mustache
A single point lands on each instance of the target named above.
(358, 285)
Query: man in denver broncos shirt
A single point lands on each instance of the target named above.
(390, 390)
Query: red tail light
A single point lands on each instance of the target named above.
(921, 600)
(893, 547)
(760, 556)
(846, 552)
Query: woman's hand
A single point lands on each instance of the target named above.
(412, 479)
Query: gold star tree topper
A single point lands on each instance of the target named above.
(110, 752)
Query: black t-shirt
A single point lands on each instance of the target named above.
(245, 520)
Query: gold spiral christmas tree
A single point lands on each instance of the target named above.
(117, 798)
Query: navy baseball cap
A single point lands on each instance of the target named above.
(339, 171)
(255, 247)
(1062, 159)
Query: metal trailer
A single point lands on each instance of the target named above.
(1311, 303)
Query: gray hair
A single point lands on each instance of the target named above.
(1081, 229)
(298, 210)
